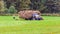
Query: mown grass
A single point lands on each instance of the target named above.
(50, 25)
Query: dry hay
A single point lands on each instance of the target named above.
(28, 13)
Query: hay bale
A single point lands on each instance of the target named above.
(26, 14)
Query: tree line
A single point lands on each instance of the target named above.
(45, 6)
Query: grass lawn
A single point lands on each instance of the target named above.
(50, 25)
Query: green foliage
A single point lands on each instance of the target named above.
(38, 4)
(47, 6)
(12, 10)
(6, 11)
(2, 6)
(24, 4)
(43, 1)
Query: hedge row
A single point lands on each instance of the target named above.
(48, 14)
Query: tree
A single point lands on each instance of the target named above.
(24, 4)
(53, 6)
(1, 6)
(12, 10)
(37, 4)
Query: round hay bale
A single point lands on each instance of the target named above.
(26, 14)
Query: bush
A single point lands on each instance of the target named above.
(12, 10)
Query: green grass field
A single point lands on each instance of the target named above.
(50, 25)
